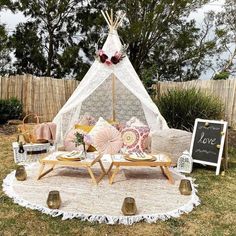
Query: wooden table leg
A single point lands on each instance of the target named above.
(113, 175)
(40, 170)
(102, 167)
(103, 172)
(92, 175)
(109, 170)
(46, 172)
(166, 172)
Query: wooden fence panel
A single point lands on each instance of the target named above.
(225, 90)
(43, 96)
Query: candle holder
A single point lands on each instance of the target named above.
(185, 187)
(21, 174)
(129, 206)
(54, 200)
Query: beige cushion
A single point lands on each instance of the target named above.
(173, 141)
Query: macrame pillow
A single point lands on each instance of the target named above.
(135, 138)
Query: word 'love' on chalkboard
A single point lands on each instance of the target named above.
(208, 142)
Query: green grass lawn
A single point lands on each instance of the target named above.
(215, 216)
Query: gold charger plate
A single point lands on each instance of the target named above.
(135, 158)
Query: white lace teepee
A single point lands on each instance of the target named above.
(111, 91)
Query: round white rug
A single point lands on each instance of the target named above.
(155, 197)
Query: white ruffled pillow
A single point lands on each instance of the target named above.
(135, 122)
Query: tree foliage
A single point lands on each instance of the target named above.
(225, 37)
(54, 23)
(28, 49)
(159, 36)
(4, 51)
(60, 37)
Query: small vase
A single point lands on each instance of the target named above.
(54, 200)
(84, 153)
(21, 174)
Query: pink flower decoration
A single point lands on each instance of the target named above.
(100, 52)
(108, 62)
(118, 55)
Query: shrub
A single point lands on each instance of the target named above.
(222, 75)
(10, 109)
(181, 107)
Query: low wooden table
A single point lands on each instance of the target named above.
(163, 161)
(52, 161)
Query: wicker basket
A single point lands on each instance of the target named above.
(27, 129)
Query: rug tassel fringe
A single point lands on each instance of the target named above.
(107, 219)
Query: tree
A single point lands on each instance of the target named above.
(28, 49)
(56, 26)
(160, 37)
(7, 4)
(226, 40)
(5, 60)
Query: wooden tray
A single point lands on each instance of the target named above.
(60, 158)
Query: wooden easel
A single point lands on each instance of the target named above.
(225, 157)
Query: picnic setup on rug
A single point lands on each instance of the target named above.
(109, 156)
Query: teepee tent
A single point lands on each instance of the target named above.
(112, 91)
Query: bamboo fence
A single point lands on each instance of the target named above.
(43, 96)
(225, 90)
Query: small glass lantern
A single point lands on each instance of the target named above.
(20, 173)
(185, 187)
(185, 163)
(129, 206)
(54, 200)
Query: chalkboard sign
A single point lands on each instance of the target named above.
(208, 142)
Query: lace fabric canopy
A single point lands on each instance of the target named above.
(112, 91)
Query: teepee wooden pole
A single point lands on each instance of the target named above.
(105, 17)
(117, 18)
(108, 17)
(112, 18)
(120, 20)
(113, 98)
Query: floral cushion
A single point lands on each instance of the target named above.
(135, 138)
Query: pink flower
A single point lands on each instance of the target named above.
(103, 58)
(100, 52)
(114, 60)
(108, 62)
(118, 55)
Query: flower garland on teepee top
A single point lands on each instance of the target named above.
(116, 58)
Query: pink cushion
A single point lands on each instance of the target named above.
(108, 140)
(135, 138)
(69, 143)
